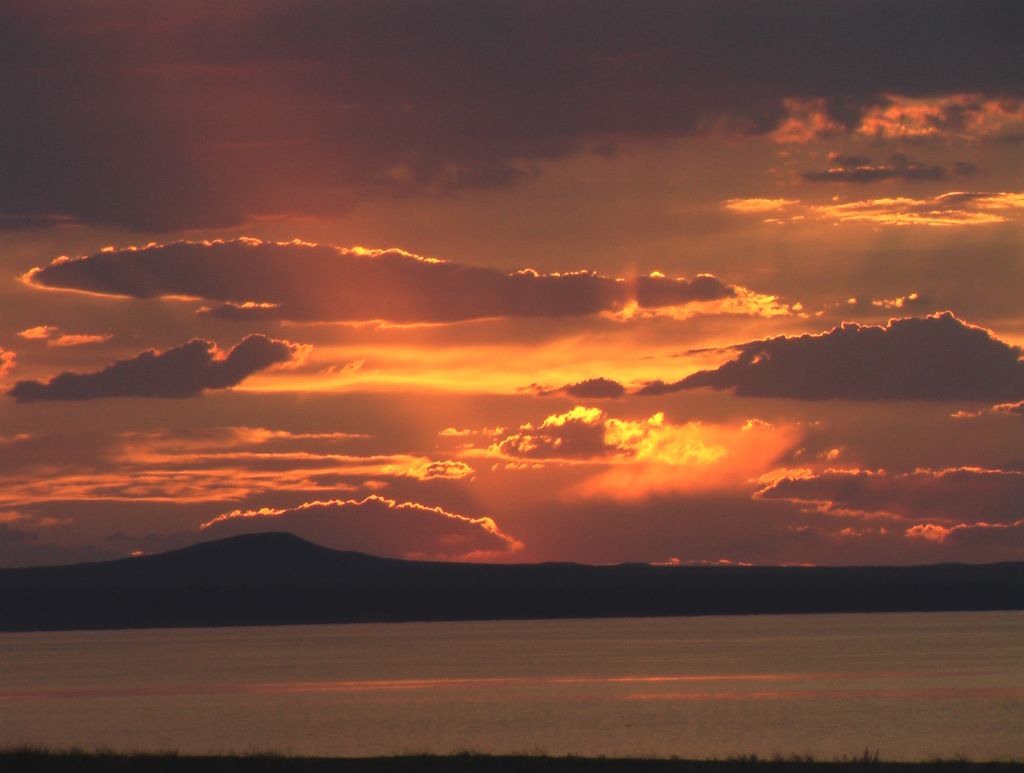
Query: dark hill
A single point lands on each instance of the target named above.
(276, 578)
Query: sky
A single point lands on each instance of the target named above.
(691, 282)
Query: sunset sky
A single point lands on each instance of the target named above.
(672, 282)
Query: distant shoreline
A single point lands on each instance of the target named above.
(75, 761)
(279, 579)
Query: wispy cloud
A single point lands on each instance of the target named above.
(954, 209)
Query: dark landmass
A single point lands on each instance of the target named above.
(277, 579)
(80, 762)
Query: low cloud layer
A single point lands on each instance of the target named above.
(984, 540)
(949, 496)
(948, 210)
(378, 526)
(938, 357)
(861, 169)
(250, 279)
(204, 466)
(184, 371)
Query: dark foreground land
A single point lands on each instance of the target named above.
(277, 579)
(78, 762)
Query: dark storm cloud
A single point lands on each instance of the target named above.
(860, 169)
(250, 279)
(184, 371)
(952, 495)
(165, 116)
(938, 357)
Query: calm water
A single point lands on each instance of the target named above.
(911, 686)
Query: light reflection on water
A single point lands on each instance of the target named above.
(911, 686)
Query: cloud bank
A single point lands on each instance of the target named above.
(938, 357)
(184, 371)
(951, 495)
(251, 279)
(860, 169)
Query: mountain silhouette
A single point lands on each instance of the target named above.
(277, 578)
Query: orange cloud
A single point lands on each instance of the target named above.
(379, 526)
(55, 337)
(953, 209)
(79, 339)
(960, 116)
(688, 458)
(758, 206)
(210, 465)
(898, 302)
(1003, 409)
(1000, 536)
(646, 456)
(957, 116)
(8, 360)
(39, 333)
(928, 531)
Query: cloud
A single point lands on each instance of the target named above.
(899, 116)
(576, 434)
(594, 388)
(948, 496)
(252, 279)
(953, 209)
(899, 302)
(54, 336)
(8, 361)
(859, 169)
(376, 525)
(759, 206)
(184, 371)
(588, 389)
(589, 434)
(1002, 409)
(1015, 408)
(637, 458)
(938, 357)
(208, 465)
(958, 208)
(202, 117)
(985, 539)
(39, 333)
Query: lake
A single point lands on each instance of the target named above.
(909, 686)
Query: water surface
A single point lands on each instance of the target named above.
(910, 686)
